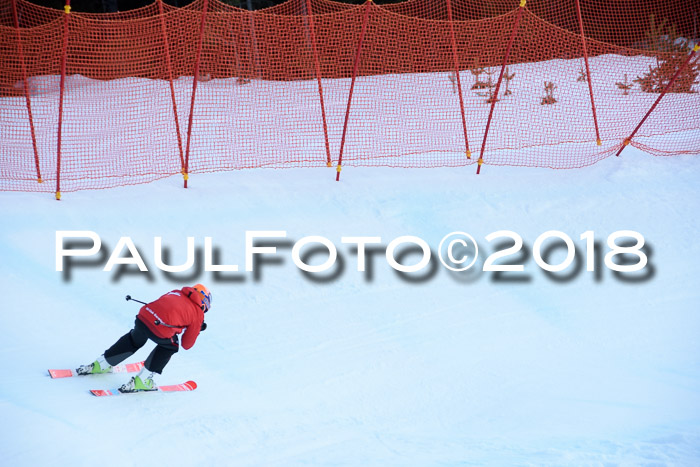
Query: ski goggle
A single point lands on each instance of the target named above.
(205, 297)
(206, 300)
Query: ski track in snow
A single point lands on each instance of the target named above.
(455, 370)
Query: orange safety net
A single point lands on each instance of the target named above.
(94, 101)
(619, 22)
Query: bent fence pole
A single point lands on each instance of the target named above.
(588, 72)
(195, 78)
(168, 64)
(355, 68)
(455, 57)
(317, 69)
(498, 83)
(26, 90)
(64, 59)
(691, 55)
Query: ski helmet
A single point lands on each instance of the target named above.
(205, 296)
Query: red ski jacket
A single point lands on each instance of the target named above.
(179, 308)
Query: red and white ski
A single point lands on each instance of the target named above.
(188, 386)
(126, 368)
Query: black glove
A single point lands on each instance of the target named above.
(204, 326)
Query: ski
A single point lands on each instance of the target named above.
(188, 386)
(126, 368)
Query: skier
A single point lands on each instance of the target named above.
(160, 321)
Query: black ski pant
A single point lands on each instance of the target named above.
(133, 340)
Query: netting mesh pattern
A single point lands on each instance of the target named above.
(94, 101)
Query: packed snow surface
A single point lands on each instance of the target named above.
(365, 368)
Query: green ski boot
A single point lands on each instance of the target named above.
(140, 382)
(97, 367)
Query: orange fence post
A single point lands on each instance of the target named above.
(26, 90)
(253, 42)
(195, 78)
(498, 83)
(169, 65)
(64, 59)
(459, 81)
(236, 55)
(588, 72)
(317, 67)
(356, 66)
(691, 55)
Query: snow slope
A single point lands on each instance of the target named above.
(365, 369)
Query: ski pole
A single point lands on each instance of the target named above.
(160, 323)
(157, 322)
(128, 297)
